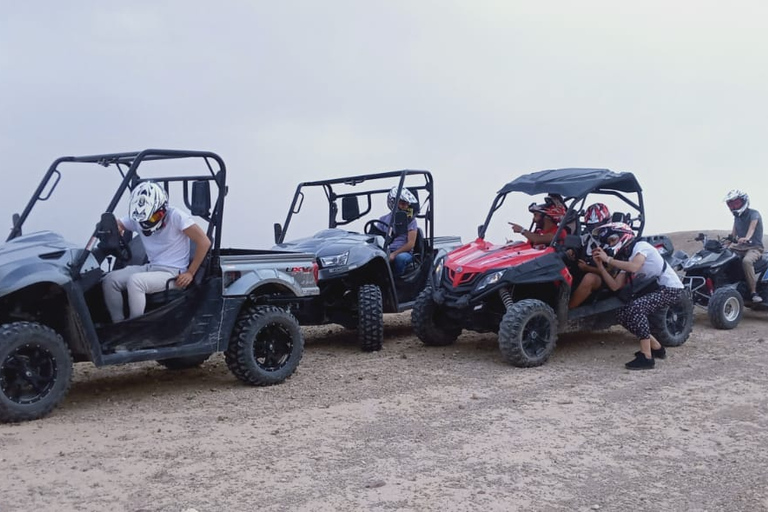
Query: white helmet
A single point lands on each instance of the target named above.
(148, 206)
(405, 195)
(737, 201)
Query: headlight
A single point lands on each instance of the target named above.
(692, 261)
(439, 269)
(335, 260)
(490, 279)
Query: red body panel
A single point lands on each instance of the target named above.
(480, 256)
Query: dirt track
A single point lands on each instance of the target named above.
(412, 428)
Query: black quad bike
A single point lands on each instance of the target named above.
(357, 285)
(520, 291)
(715, 277)
(52, 309)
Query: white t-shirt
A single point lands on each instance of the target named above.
(169, 245)
(653, 265)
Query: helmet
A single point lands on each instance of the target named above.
(596, 215)
(617, 235)
(148, 206)
(405, 195)
(737, 201)
(550, 209)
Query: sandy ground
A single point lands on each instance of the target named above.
(412, 428)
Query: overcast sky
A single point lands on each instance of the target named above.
(476, 91)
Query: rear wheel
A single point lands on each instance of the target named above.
(266, 346)
(370, 317)
(425, 323)
(725, 308)
(528, 333)
(183, 363)
(672, 325)
(35, 371)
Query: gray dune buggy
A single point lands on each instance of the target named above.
(357, 285)
(52, 310)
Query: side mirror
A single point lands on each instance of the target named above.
(278, 232)
(201, 199)
(350, 208)
(15, 220)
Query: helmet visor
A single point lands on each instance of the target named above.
(153, 219)
(735, 203)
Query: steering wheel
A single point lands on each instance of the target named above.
(373, 227)
(110, 241)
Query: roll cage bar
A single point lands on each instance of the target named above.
(425, 202)
(583, 182)
(128, 164)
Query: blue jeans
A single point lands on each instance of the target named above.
(401, 261)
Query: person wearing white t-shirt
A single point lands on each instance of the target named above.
(166, 233)
(640, 259)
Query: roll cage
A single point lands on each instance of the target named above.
(128, 165)
(350, 204)
(574, 185)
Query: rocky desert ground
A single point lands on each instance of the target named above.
(412, 428)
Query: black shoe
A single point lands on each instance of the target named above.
(656, 354)
(640, 362)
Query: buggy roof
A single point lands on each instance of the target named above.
(572, 182)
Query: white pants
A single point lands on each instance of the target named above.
(138, 280)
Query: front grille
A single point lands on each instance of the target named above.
(466, 281)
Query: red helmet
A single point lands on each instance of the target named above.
(616, 235)
(596, 215)
(554, 211)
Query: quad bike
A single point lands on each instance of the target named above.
(715, 277)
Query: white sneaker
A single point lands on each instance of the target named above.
(756, 298)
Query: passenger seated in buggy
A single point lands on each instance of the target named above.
(589, 278)
(401, 247)
(166, 233)
(546, 218)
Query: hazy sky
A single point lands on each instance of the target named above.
(476, 91)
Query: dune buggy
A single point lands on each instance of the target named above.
(52, 309)
(522, 291)
(356, 282)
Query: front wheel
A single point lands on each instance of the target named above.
(35, 371)
(370, 317)
(528, 333)
(266, 346)
(725, 308)
(672, 325)
(425, 322)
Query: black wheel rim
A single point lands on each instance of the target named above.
(272, 347)
(536, 335)
(28, 374)
(675, 319)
